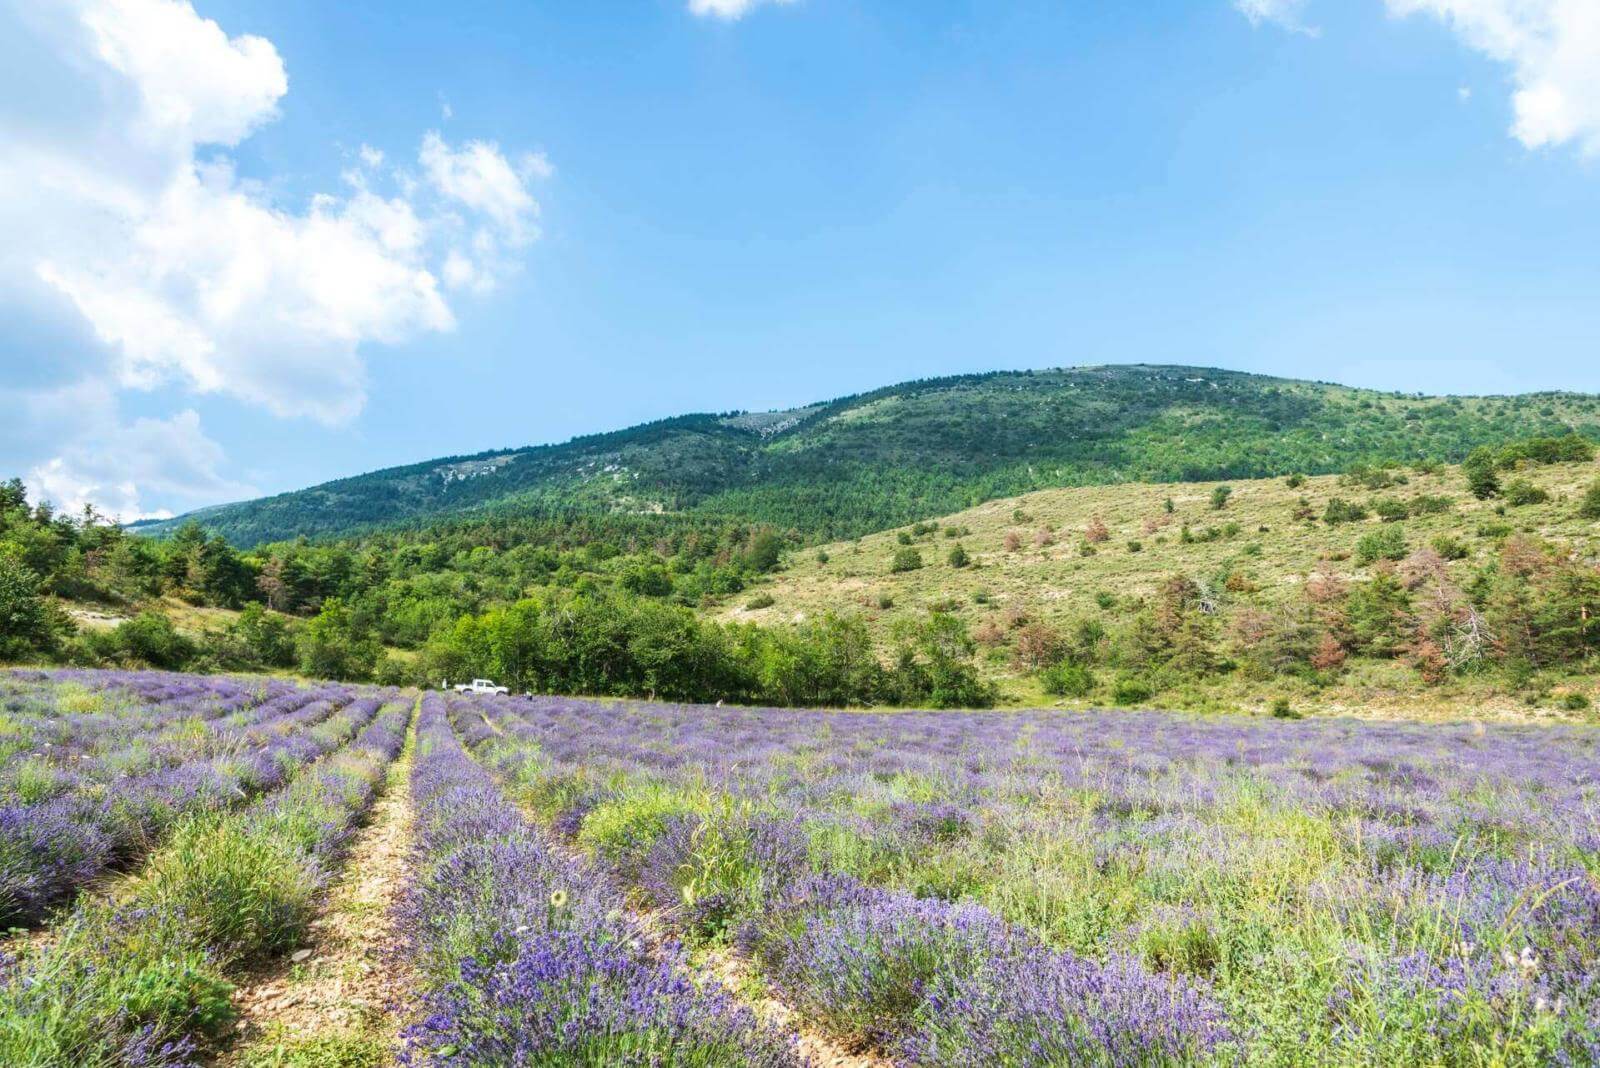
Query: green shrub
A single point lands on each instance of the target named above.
(1451, 548)
(393, 671)
(1519, 492)
(332, 645)
(1282, 709)
(1183, 945)
(958, 556)
(1590, 508)
(149, 638)
(1386, 543)
(1340, 510)
(760, 601)
(1131, 690)
(25, 626)
(1426, 504)
(37, 780)
(905, 560)
(1066, 679)
(1391, 509)
(1367, 476)
(1570, 448)
(1219, 497)
(646, 580)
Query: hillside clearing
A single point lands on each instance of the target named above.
(1053, 570)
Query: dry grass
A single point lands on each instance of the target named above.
(1055, 582)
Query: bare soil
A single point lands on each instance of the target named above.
(348, 983)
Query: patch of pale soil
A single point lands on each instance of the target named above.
(347, 980)
(27, 942)
(95, 620)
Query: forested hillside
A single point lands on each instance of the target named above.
(876, 460)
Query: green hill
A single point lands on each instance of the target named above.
(867, 462)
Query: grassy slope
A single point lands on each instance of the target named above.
(1055, 583)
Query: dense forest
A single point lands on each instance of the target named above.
(921, 449)
(577, 604)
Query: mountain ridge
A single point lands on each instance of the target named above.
(869, 461)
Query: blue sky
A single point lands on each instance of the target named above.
(631, 210)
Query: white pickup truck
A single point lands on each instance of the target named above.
(480, 686)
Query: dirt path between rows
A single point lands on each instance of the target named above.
(345, 989)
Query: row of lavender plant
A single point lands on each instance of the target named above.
(165, 735)
(1350, 891)
(523, 955)
(144, 982)
(43, 717)
(50, 850)
(66, 712)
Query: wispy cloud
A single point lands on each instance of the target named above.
(1286, 14)
(729, 9)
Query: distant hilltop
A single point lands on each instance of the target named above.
(868, 462)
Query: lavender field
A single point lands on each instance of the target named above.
(1120, 889)
(598, 883)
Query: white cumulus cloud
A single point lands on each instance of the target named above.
(121, 204)
(1552, 48)
(115, 467)
(729, 9)
(194, 83)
